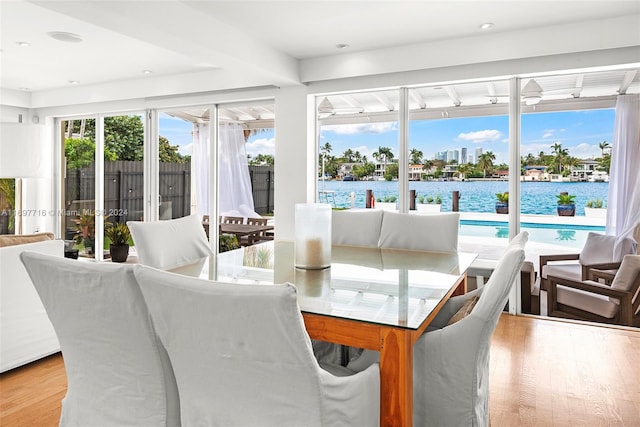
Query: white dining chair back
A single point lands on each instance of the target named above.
(451, 364)
(356, 227)
(242, 357)
(432, 232)
(118, 372)
(178, 245)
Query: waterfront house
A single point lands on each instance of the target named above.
(583, 170)
(535, 173)
(256, 65)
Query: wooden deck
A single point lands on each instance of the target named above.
(543, 373)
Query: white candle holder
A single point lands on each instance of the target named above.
(313, 235)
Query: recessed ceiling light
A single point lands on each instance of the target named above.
(147, 72)
(23, 44)
(73, 82)
(486, 25)
(342, 46)
(65, 37)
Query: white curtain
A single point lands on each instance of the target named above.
(623, 207)
(200, 160)
(233, 174)
(233, 171)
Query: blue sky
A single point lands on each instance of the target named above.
(578, 131)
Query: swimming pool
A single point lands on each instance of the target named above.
(572, 236)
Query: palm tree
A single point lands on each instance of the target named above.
(348, 155)
(326, 148)
(485, 162)
(463, 170)
(415, 156)
(603, 145)
(357, 157)
(561, 154)
(386, 154)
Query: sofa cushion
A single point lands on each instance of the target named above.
(20, 239)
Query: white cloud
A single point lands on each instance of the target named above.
(481, 136)
(186, 149)
(356, 128)
(547, 134)
(585, 151)
(261, 146)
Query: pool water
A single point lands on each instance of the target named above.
(571, 236)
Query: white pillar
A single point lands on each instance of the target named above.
(295, 159)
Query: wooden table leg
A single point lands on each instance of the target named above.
(461, 289)
(396, 378)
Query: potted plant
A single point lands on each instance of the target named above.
(429, 203)
(595, 208)
(386, 203)
(86, 231)
(566, 204)
(119, 235)
(502, 205)
(227, 242)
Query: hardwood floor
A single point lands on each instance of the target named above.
(543, 373)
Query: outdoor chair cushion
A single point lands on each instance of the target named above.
(588, 301)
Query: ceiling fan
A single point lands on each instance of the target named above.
(326, 109)
(532, 93)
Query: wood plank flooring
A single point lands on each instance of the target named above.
(543, 373)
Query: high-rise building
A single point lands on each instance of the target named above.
(478, 154)
(463, 155)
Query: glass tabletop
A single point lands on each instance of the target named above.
(386, 286)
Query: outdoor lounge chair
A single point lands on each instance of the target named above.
(597, 254)
(614, 301)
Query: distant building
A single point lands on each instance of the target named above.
(584, 170)
(535, 173)
(478, 154)
(415, 172)
(463, 155)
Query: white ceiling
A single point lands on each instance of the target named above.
(238, 43)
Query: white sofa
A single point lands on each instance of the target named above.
(26, 334)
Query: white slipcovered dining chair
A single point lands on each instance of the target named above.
(451, 364)
(356, 227)
(118, 372)
(435, 232)
(178, 245)
(451, 359)
(242, 357)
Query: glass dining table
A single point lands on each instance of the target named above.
(378, 299)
